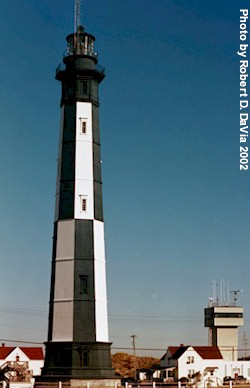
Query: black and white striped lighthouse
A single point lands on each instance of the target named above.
(78, 344)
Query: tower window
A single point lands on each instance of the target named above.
(83, 284)
(83, 126)
(228, 315)
(85, 358)
(84, 204)
(85, 87)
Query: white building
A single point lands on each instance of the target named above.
(18, 365)
(201, 365)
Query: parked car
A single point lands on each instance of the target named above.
(241, 379)
(184, 380)
(238, 380)
(227, 379)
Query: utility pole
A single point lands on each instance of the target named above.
(133, 343)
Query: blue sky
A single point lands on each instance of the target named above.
(176, 204)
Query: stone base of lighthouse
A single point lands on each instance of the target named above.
(78, 363)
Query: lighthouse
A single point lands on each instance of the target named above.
(78, 344)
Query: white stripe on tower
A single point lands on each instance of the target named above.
(84, 189)
(84, 162)
(101, 314)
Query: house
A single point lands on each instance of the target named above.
(18, 365)
(192, 362)
(200, 365)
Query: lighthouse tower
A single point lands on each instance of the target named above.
(78, 345)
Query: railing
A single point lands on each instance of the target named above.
(60, 67)
(20, 369)
(80, 50)
(99, 68)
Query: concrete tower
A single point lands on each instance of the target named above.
(78, 345)
(223, 319)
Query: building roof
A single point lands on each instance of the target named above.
(5, 351)
(172, 350)
(206, 352)
(179, 352)
(33, 353)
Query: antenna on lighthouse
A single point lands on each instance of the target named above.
(77, 23)
(77, 15)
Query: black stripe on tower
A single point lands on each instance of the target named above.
(84, 329)
(52, 284)
(98, 208)
(67, 174)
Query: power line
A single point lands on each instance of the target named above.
(21, 342)
(149, 349)
(112, 317)
(165, 349)
(21, 311)
(23, 328)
